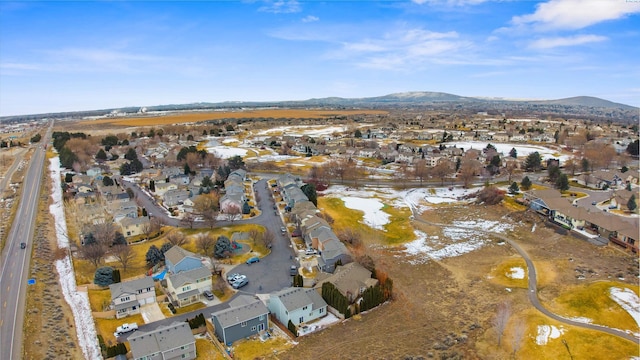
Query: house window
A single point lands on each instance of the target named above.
(243, 324)
(321, 310)
(126, 298)
(261, 317)
(304, 308)
(301, 319)
(253, 328)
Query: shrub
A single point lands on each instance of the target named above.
(172, 308)
(292, 328)
(490, 195)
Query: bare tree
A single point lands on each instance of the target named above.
(267, 238)
(124, 254)
(519, 330)
(232, 212)
(147, 229)
(469, 168)
(350, 236)
(188, 220)
(93, 253)
(210, 217)
(511, 168)
(205, 243)
(104, 233)
(443, 169)
(502, 318)
(255, 235)
(177, 238)
(420, 170)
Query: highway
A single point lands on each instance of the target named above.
(15, 261)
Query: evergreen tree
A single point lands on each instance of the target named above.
(513, 188)
(310, 191)
(563, 182)
(119, 239)
(116, 276)
(89, 239)
(153, 256)
(165, 247)
(103, 276)
(533, 162)
(107, 181)
(187, 169)
(101, 155)
(152, 185)
(131, 154)
(246, 208)
(526, 183)
(634, 148)
(357, 134)
(68, 177)
(292, 328)
(513, 153)
(631, 204)
(223, 247)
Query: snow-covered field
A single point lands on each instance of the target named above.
(78, 301)
(461, 237)
(322, 323)
(309, 130)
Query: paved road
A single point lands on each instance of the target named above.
(533, 290)
(16, 156)
(15, 261)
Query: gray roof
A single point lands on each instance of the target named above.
(161, 339)
(130, 287)
(189, 276)
(243, 308)
(177, 254)
(188, 294)
(297, 297)
(127, 304)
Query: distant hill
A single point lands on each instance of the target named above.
(581, 106)
(589, 101)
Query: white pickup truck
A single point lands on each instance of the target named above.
(125, 328)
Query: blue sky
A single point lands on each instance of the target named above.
(76, 55)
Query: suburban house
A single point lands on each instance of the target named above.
(178, 259)
(297, 304)
(162, 188)
(351, 280)
(134, 227)
(175, 341)
(245, 317)
(128, 296)
(186, 287)
(175, 197)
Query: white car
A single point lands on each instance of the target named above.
(125, 328)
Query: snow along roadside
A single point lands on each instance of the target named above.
(78, 301)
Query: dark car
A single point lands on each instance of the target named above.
(207, 294)
(293, 270)
(23, 245)
(252, 260)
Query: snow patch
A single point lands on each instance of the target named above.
(78, 301)
(372, 208)
(628, 300)
(516, 273)
(546, 332)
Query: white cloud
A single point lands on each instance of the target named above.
(553, 42)
(398, 49)
(281, 6)
(576, 14)
(310, 18)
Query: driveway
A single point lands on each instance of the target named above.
(151, 313)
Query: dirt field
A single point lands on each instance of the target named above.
(177, 118)
(444, 309)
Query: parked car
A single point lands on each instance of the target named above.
(252, 260)
(240, 283)
(23, 245)
(310, 251)
(125, 328)
(238, 277)
(283, 229)
(207, 294)
(231, 277)
(293, 270)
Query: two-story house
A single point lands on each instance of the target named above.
(128, 296)
(178, 259)
(296, 304)
(175, 341)
(186, 287)
(246, 316)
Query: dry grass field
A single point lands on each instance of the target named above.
(192, 117)
(444, 309)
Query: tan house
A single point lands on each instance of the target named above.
(127, 297)
(186, 287)
(134, 226)
(351, 280)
